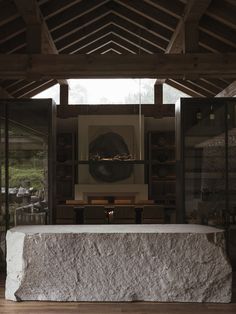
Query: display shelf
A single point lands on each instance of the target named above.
(65, 167)
(206, 166)
(161, 167)
(111, 161)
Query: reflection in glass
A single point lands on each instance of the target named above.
(26, 155)
(205, 163)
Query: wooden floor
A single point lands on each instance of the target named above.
(8, 307)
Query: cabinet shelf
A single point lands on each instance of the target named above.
(65, 166)
(161, 168)
(168, 162)
(206, 169)
(110, 161)
(156, 147)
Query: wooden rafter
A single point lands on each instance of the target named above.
(141, 21)
(82, 31)
(174, 8)
(183, 88)
(149, 12)
(82, 21)
(8, 12)
(35, 88)
(68, 35)
(54, 7)
(30, 12)
(218, 30)
(79, 10)
(11, 29)
(83, 41)
(223, 12)
(229, 91)
(178, 66)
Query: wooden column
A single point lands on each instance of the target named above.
(158, 93)
(64, 94)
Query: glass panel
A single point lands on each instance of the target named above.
(205, 175)
(231, 119)
(28, 163)
(2, 186)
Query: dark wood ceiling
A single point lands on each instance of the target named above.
(120, 27)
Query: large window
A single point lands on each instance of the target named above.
(112, 91)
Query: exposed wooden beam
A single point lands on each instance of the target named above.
(193, 12)
(229, 91)
(167, 110)
(179, 66)
(38, 36)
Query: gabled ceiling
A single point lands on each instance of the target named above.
(121, 27)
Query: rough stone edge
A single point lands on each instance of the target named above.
(15, 248)
(219, 240)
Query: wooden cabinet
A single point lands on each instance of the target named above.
(65, 170)
(161, 168)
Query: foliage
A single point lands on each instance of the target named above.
(25, 177)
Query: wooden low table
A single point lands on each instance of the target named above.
(179, 263)
(80, 211)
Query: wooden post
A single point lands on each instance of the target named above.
(158, 93)
(64, 94)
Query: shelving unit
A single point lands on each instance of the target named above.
(161, 168)
(65, 170)
(206, 163)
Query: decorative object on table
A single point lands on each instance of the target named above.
(109, 146)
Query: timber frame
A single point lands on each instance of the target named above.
(187, 44)
(188, 66)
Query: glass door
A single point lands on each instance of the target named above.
(205, 176)
(27, 164)
(2, 186)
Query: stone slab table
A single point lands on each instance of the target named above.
(179, 263)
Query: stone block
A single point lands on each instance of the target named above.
(166, 263)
